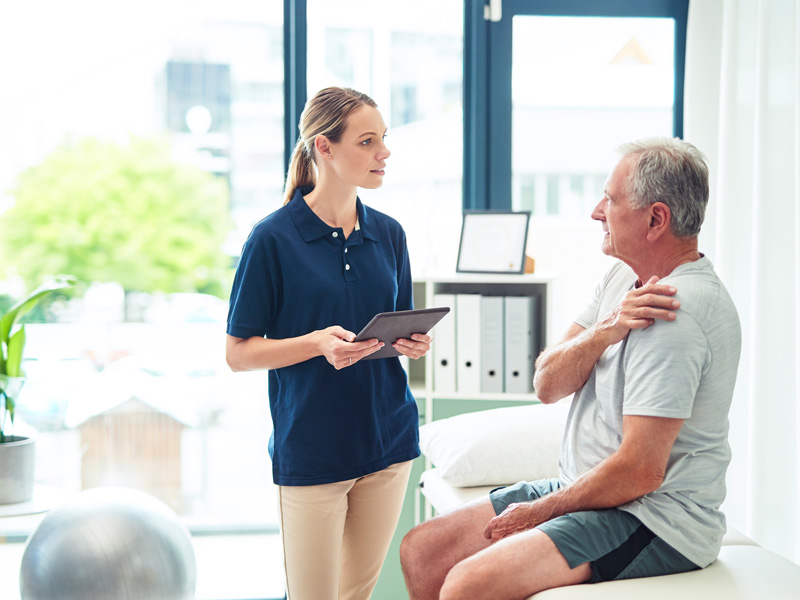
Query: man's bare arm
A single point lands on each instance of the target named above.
(635, 469)
(564, 368)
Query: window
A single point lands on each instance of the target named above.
(580, 86)
(552, 87)
(544, 79)
(148, 401)
(408, 57)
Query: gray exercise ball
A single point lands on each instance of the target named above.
(109, 544)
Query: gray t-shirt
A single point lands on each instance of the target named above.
(684, 369)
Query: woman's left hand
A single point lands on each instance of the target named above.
(416, 347)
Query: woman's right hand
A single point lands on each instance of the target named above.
(334, 343)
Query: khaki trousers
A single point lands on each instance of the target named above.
(336, 535)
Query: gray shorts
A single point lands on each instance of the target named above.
(615, 543)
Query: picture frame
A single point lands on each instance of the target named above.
(493, 241)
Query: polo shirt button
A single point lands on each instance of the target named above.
(347, 267)
(345, 250)
(335, 234)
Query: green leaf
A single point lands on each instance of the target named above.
(21, 308)
(9, 389)
(16, 344)
(11, 405)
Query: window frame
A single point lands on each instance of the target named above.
(487, 81)
(295, 51)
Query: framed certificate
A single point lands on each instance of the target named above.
(493, 242)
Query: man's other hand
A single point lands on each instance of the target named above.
(520, 516)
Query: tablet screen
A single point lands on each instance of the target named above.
(389, 327)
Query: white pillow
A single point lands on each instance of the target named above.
(498, 446)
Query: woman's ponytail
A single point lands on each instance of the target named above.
(302, 171)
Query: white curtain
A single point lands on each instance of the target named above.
(742, 108)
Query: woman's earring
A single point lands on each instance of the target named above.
(330, 156)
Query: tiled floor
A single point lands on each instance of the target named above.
(231, 567)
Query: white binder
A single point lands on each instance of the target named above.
(444, 346)
(492, 344)
(519, 343)
(468, 343)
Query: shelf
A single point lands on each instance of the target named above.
(418, 391)
(484, 397)
(489, 278)
(437, 404)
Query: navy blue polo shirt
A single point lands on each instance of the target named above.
(296, 275)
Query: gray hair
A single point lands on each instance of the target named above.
(671, 171)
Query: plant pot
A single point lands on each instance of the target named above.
(17, 461)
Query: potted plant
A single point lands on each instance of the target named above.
(17, 453)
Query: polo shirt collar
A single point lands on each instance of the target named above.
(311, 227)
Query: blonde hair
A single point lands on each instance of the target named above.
(325, 114)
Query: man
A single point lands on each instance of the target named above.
(652, 361)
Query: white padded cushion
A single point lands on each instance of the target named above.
(740, 573)
(498, 446)
(444, 497)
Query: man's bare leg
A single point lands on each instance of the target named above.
(512, 569)
(431, 549)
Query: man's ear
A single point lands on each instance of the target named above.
(660, 220)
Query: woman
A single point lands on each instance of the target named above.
(345, 429)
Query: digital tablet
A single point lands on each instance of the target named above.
(389, 327)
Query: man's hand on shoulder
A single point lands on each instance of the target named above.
(564, 368)
(639, 309)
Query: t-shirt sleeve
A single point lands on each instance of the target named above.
(588, 315)
(254, 295)
(664, 364)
